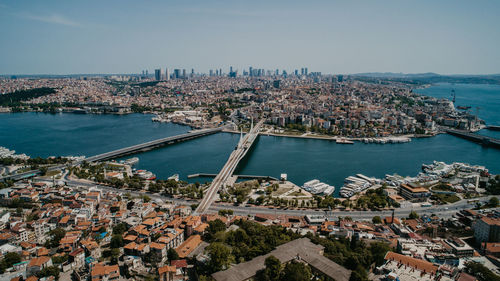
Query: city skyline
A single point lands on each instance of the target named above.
(450, 37)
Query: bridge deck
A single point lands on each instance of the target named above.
(227, 171)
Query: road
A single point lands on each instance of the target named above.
(442, 211)
(228, 168)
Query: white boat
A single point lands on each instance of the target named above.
(174, 177)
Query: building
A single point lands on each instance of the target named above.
(105, 272)
(158, 74)
(414, 193)
(401, 267)
(37, 264)
(460, 248)
(302, 250)
(487, 229)
(167, 273)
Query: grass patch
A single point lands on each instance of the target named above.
(447, 198)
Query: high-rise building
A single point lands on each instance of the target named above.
(305, 71)
(296, 72)
(167, 74)
(211, 72)
(184, 73)
(250, 71)
(177, 73)
(276, 84)
(158, 74)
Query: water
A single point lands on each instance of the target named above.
(484, 96)
(39, 134)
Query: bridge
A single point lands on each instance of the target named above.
(484, 140)
(122, 151)
(152, 144)
(227, 171)
(493, 127)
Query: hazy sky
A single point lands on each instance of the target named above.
(345, 36)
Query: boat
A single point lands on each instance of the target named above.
(131, 161)
(317, 187)
(174, 177)
(147, 175)
(344, 141)
(461, 107)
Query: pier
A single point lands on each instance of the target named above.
(226, 173)
(484, 140)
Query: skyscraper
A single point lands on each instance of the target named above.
(177, 73)
(250, 71)
(167, 74)
(158, 74)
(184, 73)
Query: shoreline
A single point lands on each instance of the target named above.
(335, 138)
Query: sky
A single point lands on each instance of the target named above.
(333, 36)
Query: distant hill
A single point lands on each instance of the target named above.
(427, 78)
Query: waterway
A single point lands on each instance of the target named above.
(40, 134)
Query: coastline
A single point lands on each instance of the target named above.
(335, 138)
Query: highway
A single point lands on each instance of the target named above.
(228, 168)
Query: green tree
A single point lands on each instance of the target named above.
(296, 271)
(172, 254)
(272, 270)
(116, 241)
(57, 234)
(493, 202)
(49, 271)
(376, 220)
(9, 260)
(481, 272)
(413, 215)
(119, 228)
(220, 256)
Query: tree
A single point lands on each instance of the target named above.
(119, 228)
(493, 202)
(376, 220)
(216, 226)
(220, 256)
(172, 254)
(49, 271)
(481, 272)
(272, 270)
(116, 241)
(413, 215)
(56, 234)
(296, 271)
(8, 260)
